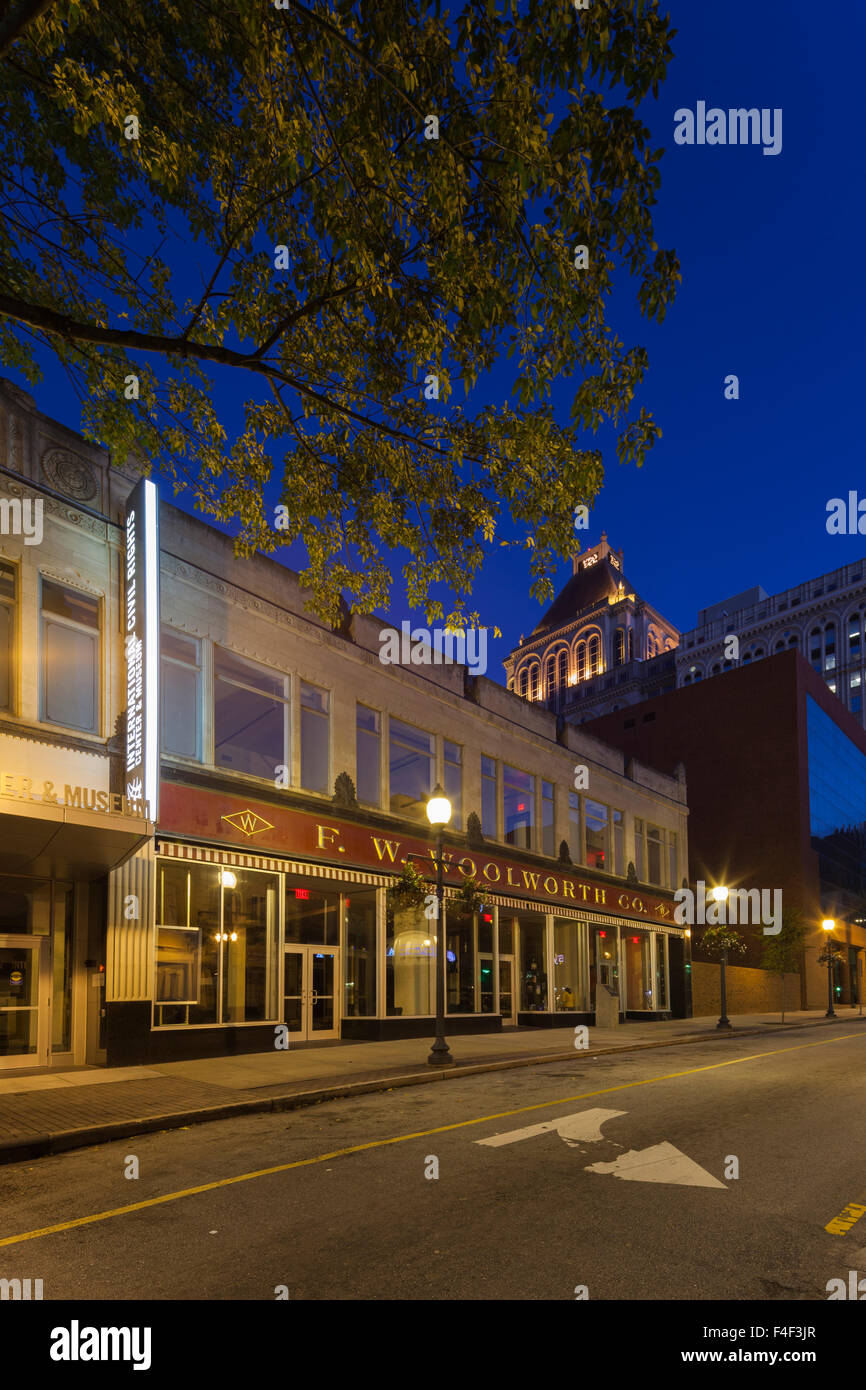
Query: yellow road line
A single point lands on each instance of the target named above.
(841, 1224)
(402, 1139)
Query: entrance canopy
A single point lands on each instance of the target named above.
(68, 843)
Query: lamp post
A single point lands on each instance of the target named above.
(439, 814)
(720, 895)
(828, 925)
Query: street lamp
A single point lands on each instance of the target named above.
(439, 814)
(720, 895)
(828, 925)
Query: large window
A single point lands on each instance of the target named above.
(453, 766)
(651, 842)
(518, 802)
(570, 965)
(411, 761)
(368, 745)
(533, 976)
(548, 828)
(70, 658)
(216, 944)
(575, 844)
(8, 595)
(488, 797)
(597, 835)
(360, 954)
(315, 723)
(251, 725)
(180, 658)
(837, 805)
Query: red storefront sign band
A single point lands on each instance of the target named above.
(258, 827)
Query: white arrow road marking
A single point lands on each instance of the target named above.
(581, 1128)
(661, 1163)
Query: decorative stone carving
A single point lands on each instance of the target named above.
(344, 791)
(69, 474)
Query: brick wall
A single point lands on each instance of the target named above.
(749, 991)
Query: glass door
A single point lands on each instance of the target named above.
(309, 993)
(23, 1002)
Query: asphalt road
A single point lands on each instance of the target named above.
(527, 1219)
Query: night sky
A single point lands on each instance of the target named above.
(735, 492)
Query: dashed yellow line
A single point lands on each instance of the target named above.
(402, 1139)
(841, 1224)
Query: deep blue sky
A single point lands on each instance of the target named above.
(773, 290)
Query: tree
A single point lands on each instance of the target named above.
(351, 207)
(783, 953)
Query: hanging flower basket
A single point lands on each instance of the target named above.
(467, 899)
(410, 890)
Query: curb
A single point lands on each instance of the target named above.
(60, 1141)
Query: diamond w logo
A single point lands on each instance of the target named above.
(248, 823)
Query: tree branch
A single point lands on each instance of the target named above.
(15, 23)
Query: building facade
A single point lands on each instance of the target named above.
(243, 902)
(824, 619)
(776, 772)
(598, 647)
(65, 819)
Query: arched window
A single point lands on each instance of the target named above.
(594, 654)
(780, 646)
(533, 680)
(794, 641)
(716, 671)
(522, 679)
(630, 644)
(562, 662)
(619, 647)
(581, 661)
(550, 676)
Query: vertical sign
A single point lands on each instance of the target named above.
(141, 633)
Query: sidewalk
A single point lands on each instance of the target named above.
(48, 1112)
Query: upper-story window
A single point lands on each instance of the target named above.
(8, 597)
(533, 680)
(575, 847)
(562, 661)
(368, 755)
(251, 716)
(315, 737)
(411, 763)
(548, 826)
(522, 680)
(69, 693)
(619, 647)
(580, 661)
(550, 677)
(180, 671)
(597, 835)
(651, 842)
(453, 773)
(488, 797)
(518, 806)
(594, 654)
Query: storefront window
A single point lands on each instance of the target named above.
(570, 974)
(518, 801)
(638, 970)
(533, 977)
(409, 970)
(368, 741)
(411, 761)
(61, 991)
(249, 939)
(460, 963)
(661, 945)
(360, 954)
(315, 722)
(217, 934)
